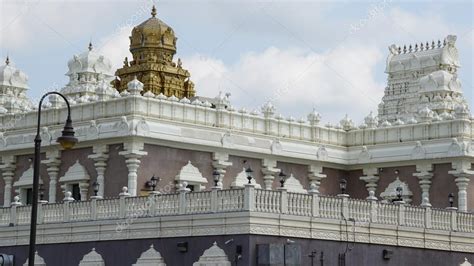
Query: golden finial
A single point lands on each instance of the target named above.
(90, 46)
(7, 61)
(153, 11)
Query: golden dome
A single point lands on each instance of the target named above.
(153, 45)
(153, 33)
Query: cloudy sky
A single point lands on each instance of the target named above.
(328, 55)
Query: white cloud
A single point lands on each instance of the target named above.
(336, 82)
(115, 46)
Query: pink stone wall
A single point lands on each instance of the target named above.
(441, 185)
(330, 185)
(23, 162)
(68, 159)
(238, 163)
(356, 187)
(387, 176)
(116, 173)
(166, 163)
(299, 171)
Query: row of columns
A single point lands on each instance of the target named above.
(424, 172)
(133, 151)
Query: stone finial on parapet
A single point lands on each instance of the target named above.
(124, 192)
(314, 117)
(16, 201)
(68, 197)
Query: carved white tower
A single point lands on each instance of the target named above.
(13, 87)
(422, 82)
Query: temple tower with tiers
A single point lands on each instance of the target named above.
(422, 81)
(153, 45)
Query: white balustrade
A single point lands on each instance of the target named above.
(387, 213)
(299, 204)
(23, 215)
(359, 210)
(441, 219)
(137, 207)
(465, 222)
(52, 213)
(230, 200)
(330, 207)
(80, 211)
(415, 216)
(167, 204)
(108, 209)
(267, 200)
(250, 199)
(198, 202)
(4, 216)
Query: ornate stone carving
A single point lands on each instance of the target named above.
(365, 156)
(191, 174)
(315, 175)
(150, 257)
(371, 177)
(241, 179)
(293, 185)
(92, 259)
(7, 168)
(390, 193)
(418, 151)
(39, 261)
(322, 153)
(213, 256)
(133, 151)
(220, 161)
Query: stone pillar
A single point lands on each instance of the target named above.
(370, 177)
(100, 156)
(462, 171)
(220, 161)
(133, 151)
(52, 162)
(424, 174)
(269, 171)
(315, 175)
(8, 171)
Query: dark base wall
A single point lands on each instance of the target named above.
(365, 254)
(126, 252)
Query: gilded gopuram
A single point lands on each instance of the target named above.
(153, 45)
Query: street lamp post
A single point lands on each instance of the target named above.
(67, 141)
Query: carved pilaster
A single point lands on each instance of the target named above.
(269, 171)
(52, 162)
(100, 156)
(424, 174)
(315, 175)
(220, 161)
(8, 171)
(132, 152)
(462, 171)
(371, 178)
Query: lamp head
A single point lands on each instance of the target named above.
(95, 187)
(343, 185)
(154, 181)
(67, 139)
(282, 178)
(249, 174)
(399, 191)
(451, 199)
(216, 177)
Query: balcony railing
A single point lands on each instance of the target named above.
(238, 200)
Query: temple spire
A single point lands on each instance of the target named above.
(153, 11)
(7, 61)
(90, 46)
